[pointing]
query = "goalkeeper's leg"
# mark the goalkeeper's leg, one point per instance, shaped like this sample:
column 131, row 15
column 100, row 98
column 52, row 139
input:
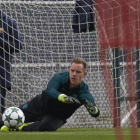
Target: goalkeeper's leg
column 42, row 120
column 47, row 123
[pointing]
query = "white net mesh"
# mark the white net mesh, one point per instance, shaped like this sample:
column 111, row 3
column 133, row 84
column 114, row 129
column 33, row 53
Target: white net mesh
column 49, row 45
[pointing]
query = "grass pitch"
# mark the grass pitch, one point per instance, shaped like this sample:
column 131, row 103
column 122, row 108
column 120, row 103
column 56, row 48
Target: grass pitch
column 67, row 134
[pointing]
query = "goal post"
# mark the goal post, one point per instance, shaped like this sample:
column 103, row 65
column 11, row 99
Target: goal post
column 49, row 45
column 119, row 28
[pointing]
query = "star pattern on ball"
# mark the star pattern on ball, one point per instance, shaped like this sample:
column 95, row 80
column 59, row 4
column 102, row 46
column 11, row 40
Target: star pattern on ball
column 19, row 119
column 14, row 109
column 8, row 117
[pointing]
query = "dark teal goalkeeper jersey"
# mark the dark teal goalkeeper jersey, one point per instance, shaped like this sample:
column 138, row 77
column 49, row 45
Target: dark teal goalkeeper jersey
column 59, row 84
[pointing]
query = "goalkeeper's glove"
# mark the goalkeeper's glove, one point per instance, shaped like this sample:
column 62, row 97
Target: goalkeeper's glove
column 93, row 110
column 68, row 99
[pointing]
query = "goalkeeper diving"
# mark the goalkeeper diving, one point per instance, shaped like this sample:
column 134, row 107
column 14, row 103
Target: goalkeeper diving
column 65, row 93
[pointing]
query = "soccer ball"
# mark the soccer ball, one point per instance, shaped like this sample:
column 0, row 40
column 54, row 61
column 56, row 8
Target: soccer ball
column 13, row 117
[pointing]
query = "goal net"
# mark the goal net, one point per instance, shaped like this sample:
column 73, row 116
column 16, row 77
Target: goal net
column 50, row 43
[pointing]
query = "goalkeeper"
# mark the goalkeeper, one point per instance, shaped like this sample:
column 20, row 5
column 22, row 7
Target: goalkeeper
column 65, row 93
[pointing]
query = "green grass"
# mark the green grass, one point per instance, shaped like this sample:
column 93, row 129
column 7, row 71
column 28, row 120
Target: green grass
column 67, row 134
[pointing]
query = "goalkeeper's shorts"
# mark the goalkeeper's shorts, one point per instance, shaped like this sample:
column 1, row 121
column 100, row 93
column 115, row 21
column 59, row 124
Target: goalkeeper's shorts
column 33, row 109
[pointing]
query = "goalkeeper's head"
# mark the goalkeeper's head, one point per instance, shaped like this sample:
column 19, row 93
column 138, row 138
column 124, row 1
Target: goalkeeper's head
column 77, row 71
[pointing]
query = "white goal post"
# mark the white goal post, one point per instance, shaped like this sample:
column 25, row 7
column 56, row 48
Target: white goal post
column 49, row 45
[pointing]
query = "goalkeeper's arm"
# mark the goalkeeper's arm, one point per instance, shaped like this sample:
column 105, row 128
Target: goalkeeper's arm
column 52, row 91
column 93, row 110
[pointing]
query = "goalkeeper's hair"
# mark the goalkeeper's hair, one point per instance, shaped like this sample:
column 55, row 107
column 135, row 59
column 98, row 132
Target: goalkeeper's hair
column 79, row 60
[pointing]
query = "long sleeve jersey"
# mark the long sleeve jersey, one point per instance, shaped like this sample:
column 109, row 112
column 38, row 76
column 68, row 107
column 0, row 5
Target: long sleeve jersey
column 59, row 84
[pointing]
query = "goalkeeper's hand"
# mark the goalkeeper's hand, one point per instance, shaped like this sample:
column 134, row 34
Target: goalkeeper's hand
column 93, row 110
column 68, row 99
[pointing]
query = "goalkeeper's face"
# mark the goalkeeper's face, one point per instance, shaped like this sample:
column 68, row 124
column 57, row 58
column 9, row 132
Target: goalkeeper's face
column 76, row 74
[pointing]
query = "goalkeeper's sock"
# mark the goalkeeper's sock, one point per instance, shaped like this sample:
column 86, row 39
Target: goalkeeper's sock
column 24, row 124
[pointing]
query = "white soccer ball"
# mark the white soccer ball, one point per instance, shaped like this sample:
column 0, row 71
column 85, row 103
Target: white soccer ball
column 13, row 117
